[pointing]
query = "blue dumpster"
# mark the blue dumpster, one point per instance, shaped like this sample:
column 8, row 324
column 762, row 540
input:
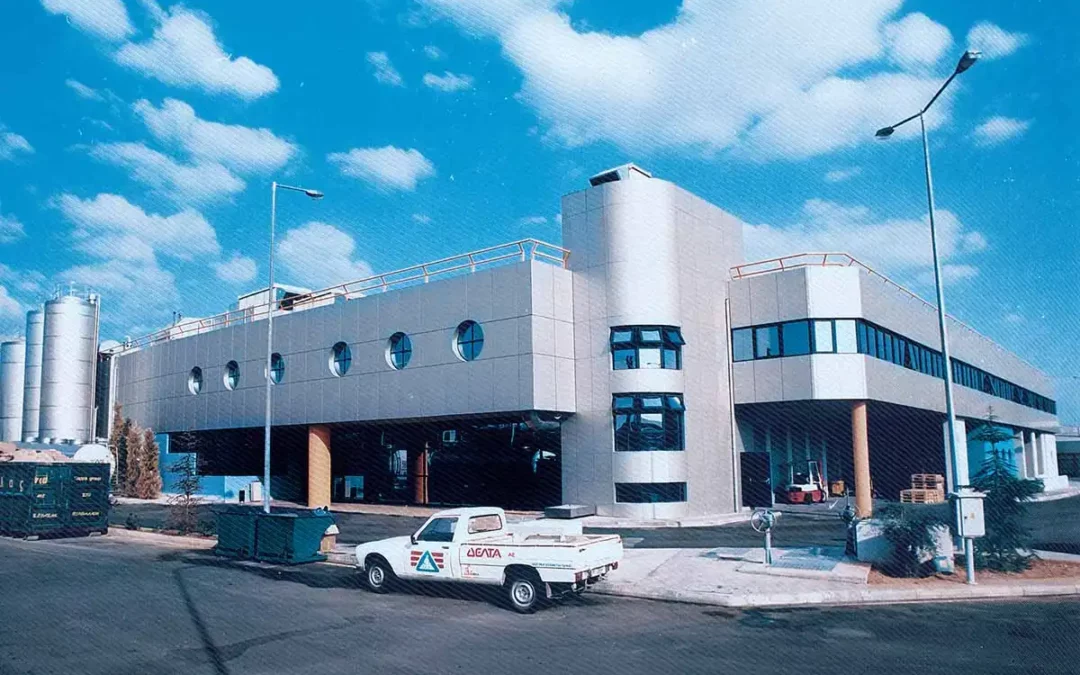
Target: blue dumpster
column 236, row 531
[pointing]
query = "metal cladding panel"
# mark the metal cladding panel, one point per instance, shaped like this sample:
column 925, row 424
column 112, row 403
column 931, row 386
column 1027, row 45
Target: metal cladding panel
column 35, row 338
column 67, row 369
column 12, row 372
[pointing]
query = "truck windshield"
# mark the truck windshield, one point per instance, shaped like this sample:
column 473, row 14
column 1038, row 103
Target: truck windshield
column 440, row 529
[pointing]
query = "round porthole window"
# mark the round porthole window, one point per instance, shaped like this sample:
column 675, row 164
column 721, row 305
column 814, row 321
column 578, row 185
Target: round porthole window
column 195, row 380
column 468, row 340
column 399, row 351
column 277, row 368
column 340, row 359
column 232, row 375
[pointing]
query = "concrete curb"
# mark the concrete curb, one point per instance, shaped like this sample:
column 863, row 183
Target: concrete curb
column 150, row 536
column 882, row 596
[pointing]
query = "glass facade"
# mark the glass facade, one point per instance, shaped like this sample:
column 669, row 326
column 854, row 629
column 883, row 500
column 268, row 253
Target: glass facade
column 648, row 422
column 649, row 493
column 634, row 347
column 851, row 336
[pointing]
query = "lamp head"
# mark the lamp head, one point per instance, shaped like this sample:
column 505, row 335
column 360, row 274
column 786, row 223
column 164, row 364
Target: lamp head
column 314, row 194
column 968, row 60
column 884, row 132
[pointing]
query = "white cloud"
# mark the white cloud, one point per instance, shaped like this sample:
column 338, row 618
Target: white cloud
column 182, row 183
column 109, row 226
column 999, row 129
column 841, row 175
column 448, row 81
column 83, row 91
column 238, row 269
column 26, row 281
column 433, row 52
column 10, row 229
column 994, row 42
column 949, row 274
column 235, row 146
column 533, row 220
column 385, row 73
column 107, row 19
column 388, row 168
column 917, row 40
column 715, row 76
column 9, row 306
column 133, row 291
column 421, row 218
column 12, row 143
column 320, row 255
column 1014, row 317
column 895, row 247
column 184, row 52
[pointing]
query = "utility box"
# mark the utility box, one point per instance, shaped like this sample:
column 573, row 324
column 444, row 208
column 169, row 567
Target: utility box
column 61, row 499
column 970, row 521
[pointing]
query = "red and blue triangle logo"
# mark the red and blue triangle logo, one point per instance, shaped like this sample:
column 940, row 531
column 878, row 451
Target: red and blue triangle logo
column 427, row 564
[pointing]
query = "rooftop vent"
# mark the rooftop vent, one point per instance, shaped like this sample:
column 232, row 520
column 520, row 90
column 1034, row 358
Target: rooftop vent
column 623, row 172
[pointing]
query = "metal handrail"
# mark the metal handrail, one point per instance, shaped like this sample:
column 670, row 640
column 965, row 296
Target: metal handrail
column 492, row 256
column 840, row 259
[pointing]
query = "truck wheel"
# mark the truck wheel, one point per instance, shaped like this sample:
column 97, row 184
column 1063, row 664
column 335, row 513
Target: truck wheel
column 378, row 576
column 523, row 591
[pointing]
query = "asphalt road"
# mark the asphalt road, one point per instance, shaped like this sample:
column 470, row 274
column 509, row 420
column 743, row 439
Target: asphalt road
column 1055, row 526
column 104, row 606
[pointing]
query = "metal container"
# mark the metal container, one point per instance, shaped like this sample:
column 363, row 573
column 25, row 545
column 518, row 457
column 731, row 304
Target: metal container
column 53, row 499
column 35, row 337
column 12, row 372
column 68, row 368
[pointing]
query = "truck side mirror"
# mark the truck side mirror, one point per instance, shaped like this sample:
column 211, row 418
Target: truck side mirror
column 412, row 539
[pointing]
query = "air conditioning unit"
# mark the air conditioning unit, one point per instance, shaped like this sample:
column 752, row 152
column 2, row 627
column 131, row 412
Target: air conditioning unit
column 449, row 437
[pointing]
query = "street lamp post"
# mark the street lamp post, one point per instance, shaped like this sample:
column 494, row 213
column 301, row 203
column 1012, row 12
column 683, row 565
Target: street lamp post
column 966, row 61
column 271, row 306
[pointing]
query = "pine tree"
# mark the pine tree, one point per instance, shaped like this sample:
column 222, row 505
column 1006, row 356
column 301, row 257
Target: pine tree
column 133, row 469
column 118, row 448
column 184, row 504
column 148, row 485
column 1007, row 542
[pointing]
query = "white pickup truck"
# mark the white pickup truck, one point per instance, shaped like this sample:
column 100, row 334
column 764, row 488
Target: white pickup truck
column 475, row 545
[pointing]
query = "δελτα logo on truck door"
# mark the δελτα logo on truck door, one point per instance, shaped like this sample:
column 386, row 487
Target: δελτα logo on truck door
column 483, row 552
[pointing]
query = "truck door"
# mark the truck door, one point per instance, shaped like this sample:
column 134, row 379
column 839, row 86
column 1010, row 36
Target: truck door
column 429, row 557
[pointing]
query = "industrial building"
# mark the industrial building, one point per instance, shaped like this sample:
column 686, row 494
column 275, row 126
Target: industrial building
column 643, row 367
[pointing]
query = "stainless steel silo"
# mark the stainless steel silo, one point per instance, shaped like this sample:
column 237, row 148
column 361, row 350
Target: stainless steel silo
column 68, row 364
column 35, row 338
column 12, row 372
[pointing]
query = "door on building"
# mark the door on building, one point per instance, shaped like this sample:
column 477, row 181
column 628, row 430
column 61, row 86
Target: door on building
column 757, row 491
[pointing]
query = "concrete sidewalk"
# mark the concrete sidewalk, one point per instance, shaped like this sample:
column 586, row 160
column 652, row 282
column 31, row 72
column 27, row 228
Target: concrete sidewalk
column 694, row 576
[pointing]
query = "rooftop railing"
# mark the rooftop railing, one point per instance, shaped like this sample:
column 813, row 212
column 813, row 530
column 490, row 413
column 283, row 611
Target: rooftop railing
column 466, row 263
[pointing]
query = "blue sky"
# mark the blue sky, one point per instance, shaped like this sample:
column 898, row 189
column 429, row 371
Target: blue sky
column 138, row 141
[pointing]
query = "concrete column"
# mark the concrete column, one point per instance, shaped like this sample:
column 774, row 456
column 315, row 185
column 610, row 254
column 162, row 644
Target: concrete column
column 1030, row 466
column 962, row 470
column 1040, row 456
column 860, row 445
column 319, row 480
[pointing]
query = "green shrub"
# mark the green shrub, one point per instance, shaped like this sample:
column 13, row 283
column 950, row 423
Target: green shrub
column 910, row 529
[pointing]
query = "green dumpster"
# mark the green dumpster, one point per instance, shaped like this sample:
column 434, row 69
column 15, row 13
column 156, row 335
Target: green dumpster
column 236, row 531
column 291, row 538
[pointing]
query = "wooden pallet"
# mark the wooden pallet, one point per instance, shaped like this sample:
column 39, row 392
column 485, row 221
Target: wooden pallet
column 927, row 481
column 921, row 496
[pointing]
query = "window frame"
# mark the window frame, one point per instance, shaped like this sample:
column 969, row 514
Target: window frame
column 630, row 435
column 439, row 540
column 340, row 361
column 474, row 344
column 277, row 368
column 232, row 368
column 628, row 342
column 195, row 380
column 399, row 358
